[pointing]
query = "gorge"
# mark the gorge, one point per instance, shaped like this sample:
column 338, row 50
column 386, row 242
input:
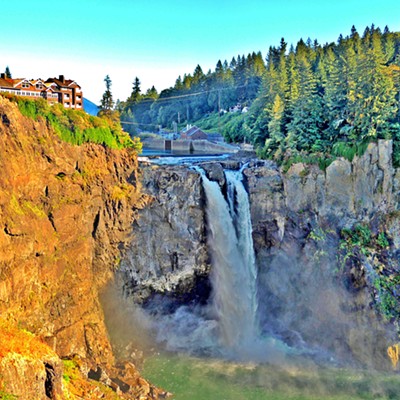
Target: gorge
column 102, row 257
column 317, row 294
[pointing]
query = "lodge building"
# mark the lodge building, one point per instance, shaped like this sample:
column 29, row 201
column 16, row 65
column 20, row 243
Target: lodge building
column 55, row 90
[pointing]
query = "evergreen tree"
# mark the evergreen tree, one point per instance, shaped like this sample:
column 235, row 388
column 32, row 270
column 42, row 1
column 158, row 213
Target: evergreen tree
column 135, row 95
column 151, row 93
column 303, row 128
column 198, row 76
column 307, row 99
column 178, row 83
column 376, row 95
column 7, row 73
column 219, row 69
column 275, row 127
column 107, row 102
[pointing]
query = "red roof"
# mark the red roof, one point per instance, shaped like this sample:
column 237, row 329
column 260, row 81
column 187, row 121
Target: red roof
column 62, row 83
column 6, row 82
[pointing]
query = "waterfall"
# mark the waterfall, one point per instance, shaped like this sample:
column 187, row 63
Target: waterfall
column 234, row 273
column 228, row 325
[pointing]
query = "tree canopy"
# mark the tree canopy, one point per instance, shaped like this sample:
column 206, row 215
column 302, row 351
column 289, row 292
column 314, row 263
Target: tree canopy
column 303, row 99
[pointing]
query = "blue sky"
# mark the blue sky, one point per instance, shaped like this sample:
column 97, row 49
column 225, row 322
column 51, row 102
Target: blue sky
column 158, row 40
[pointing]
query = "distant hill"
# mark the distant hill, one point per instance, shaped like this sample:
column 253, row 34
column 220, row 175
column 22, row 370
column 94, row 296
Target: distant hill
column 90, row 107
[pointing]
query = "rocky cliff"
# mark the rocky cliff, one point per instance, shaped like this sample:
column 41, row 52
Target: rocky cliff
column 326, row 245
column 168, row 253
column 65, row 215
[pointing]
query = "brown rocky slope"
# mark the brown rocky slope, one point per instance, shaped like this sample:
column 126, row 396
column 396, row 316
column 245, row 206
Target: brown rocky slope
column 65, row 215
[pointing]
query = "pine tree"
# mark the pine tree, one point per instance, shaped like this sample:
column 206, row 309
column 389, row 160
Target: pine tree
column 376, row 95
column 135, row 95
column 219, row 69
column 275, row 128
column 7, row 73
column 198, row 76
column 151, row 93
column 107, row 102
column 178, row 83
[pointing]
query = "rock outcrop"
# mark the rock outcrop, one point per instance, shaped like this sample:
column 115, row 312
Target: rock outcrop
column 307, row 286
column 168, row 252
column 65, row 215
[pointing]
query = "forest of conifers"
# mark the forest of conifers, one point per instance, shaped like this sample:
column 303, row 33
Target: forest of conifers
column 308, row 100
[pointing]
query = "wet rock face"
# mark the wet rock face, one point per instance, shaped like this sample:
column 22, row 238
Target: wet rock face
column 168, row 252
column 294, row 203
column 348, row 190
column 215, row 172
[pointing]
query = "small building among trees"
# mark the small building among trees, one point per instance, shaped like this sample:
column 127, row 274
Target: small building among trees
column 193, row 133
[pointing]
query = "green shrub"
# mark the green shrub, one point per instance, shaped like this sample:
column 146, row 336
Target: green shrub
column 349, row 150
column 7, row 396
column 387, row 288
column 77, row 127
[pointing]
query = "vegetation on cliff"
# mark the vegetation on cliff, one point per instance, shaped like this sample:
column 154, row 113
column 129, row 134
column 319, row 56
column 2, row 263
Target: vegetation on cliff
column 77, row 127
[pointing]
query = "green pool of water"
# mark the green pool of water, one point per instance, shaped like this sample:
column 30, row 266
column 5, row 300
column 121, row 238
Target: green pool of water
column 190, row 378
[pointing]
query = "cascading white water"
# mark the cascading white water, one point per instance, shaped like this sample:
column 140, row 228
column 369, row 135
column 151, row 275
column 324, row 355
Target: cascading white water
column 228, row 326
column 234, row 272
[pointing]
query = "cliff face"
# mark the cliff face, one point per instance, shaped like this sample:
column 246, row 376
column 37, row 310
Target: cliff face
column 324, row 242
column 65, row 214
column 320, row 261
column 168, row 252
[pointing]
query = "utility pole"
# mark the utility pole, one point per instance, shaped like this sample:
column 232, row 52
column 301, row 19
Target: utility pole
column 219, row 112
column 179, row 117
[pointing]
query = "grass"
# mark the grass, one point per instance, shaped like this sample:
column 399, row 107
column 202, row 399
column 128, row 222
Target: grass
column 20, row 341
column 121, row 191
column 230, row 125
column 349, row 150
column 199, row 379
column 25, row 207
column 7, row 396
column 76, row 386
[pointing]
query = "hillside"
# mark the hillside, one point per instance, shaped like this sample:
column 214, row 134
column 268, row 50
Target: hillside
column 305, row 102
column 65, row 213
